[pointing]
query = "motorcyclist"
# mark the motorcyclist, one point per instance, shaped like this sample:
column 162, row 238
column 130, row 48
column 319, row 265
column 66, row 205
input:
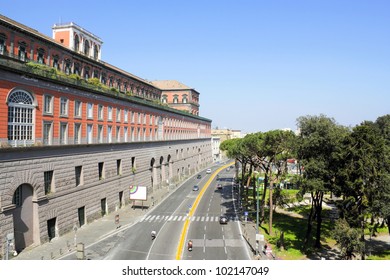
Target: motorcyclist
column 153, row 234
column 190, row 245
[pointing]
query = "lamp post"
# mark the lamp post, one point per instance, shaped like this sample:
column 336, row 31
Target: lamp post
column 257, row 215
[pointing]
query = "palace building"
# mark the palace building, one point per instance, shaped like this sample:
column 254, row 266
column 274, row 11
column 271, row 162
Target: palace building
column 76, row 133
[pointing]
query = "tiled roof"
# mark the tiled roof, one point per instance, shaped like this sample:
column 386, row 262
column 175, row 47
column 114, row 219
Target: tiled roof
column 169, row 84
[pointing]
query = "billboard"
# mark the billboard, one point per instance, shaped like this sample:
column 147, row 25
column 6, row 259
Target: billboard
column 138, row 193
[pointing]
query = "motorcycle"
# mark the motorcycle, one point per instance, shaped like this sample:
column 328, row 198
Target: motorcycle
column 189, row 245
column 153, row 234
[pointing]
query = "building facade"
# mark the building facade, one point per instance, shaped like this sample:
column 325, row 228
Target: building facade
column 179, row 96
column 76, row 133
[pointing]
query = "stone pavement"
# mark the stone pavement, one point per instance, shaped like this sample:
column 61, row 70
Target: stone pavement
column 91, row 233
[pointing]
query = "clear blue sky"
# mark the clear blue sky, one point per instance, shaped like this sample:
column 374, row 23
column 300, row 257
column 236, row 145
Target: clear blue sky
column 258, row 65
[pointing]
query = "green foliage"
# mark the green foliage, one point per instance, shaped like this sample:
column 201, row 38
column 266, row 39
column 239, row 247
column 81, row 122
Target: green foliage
column 94, row 81
column 75, row 77
column 348, row 239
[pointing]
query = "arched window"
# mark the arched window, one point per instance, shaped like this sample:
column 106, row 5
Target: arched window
column 22, row 52
column 175, row 98
column 3, row 46
column 164, row 99
column 86, row 47
column 76, row 43
column 184, row 98
column 95, row 52
column 41, row 56
column 20, row 118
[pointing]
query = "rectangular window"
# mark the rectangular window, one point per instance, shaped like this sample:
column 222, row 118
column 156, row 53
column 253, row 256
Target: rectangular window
column 118, row 167
column 118, row 134
column 89, row 133
column 79, row 175
column 109, row 134
column 90, row 111
column 118, row 114
column 64, row 106
column 139, row 134
column 48, row 181
column 125, row 115
column 101, row 112
column 47, row 133
column 77, row 133
column 81, row 215
column 100, row 133
column 77, row 109
column 144, row 133
column 101, row 170
column 125, row 137
column 144, row 118
column 48, row 104
column 63, row 133
column 132, row 117
column 103, row 206
column 133, row 164
column 51, row 228
column 132, row 134
column 109, row 113
column 17, row 197
column 139, row 118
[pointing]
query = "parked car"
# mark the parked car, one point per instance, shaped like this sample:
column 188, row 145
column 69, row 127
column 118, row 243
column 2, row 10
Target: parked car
column 219, row 186
column 208, row 171
column 199, row 176
column 223, row 219
column 195, row 188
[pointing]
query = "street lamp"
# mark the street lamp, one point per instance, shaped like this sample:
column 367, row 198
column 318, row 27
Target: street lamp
column 257, row 215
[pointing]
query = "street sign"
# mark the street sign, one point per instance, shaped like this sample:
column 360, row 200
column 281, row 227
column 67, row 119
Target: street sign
column 259, row 237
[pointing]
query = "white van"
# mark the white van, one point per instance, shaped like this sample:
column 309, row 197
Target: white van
column 208, row 171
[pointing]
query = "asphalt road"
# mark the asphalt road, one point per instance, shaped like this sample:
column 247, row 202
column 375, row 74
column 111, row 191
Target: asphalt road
column 211, row 240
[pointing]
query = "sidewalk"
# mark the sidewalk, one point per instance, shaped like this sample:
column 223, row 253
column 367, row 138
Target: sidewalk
column 91, row 233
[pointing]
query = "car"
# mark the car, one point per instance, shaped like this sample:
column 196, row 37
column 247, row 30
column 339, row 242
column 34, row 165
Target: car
column 195, row 188
column 208, row 171
column 219, row 186
column 199, row 176
column 223, row 219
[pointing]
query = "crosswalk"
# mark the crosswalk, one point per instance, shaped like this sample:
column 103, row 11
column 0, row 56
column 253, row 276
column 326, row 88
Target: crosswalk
column 182, row 218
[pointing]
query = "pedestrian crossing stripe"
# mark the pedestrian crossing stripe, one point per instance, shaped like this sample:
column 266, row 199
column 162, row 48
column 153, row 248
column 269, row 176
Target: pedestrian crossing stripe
column 178, row 218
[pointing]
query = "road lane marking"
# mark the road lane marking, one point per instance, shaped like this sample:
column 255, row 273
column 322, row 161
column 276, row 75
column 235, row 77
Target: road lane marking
column 183, row 235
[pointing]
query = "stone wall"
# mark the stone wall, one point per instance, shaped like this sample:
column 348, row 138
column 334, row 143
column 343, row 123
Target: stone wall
column 139, row 163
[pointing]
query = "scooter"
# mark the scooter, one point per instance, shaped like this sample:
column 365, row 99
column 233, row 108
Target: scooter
column 189, row 245
column 153, row 234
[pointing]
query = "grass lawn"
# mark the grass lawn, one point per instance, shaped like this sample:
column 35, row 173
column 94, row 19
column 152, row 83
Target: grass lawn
column 294, row 230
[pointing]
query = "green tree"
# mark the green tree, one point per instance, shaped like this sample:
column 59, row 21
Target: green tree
column 270, row 151
column 318, row 149
column 348, row 239
column 364, row 177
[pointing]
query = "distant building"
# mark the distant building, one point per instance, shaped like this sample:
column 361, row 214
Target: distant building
column 179, row 96
column 226, row 134
column 215, row 143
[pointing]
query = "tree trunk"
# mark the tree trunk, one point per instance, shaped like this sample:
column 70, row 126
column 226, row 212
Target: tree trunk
column 309, row 224
column 262, row 204
column 319, row 199
column 270, row 207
